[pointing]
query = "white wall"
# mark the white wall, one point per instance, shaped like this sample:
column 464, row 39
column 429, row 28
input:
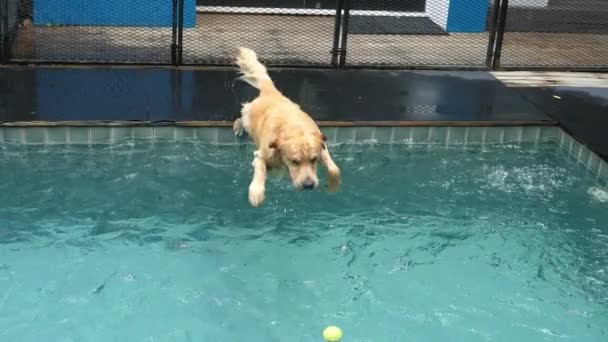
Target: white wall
column 437, row 10
column 528, row 3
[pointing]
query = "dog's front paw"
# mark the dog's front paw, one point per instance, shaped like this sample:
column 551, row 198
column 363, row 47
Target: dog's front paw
column 238, row 128
column 256, row 194
column 333, row 180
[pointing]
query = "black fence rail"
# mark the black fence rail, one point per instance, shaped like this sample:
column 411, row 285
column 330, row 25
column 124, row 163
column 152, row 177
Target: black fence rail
column 446, row 34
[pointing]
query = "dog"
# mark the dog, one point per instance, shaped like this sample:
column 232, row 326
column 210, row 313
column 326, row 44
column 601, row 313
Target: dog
column 284, row 135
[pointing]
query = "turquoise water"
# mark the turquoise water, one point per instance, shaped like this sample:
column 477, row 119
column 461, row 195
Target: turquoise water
column 156, row 242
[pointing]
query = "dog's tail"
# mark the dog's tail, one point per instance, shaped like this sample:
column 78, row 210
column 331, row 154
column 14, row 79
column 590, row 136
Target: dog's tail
column 252, row 71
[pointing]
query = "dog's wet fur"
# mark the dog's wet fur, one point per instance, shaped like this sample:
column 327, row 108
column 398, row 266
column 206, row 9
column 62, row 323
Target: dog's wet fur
column 285, row 136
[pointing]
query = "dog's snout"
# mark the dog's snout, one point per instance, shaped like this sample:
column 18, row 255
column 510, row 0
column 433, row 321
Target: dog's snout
column 308, row 184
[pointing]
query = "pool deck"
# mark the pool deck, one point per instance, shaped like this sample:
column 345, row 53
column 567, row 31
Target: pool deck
column 578, row 102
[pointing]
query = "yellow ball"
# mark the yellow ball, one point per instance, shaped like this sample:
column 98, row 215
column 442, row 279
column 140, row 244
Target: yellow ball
column 332, row 334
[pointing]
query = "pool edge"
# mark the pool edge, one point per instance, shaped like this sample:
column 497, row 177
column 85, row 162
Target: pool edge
column 434, row 133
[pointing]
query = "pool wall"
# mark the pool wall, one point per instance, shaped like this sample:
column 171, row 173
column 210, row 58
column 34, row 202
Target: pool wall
column 32, row 134
column 224, row 135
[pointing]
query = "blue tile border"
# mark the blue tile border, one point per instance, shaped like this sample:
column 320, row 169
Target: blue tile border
column 223, row 135
column 402, row 134
column 583, row 156
column 57, row 135
column 456, row 135
column 143, row 133
column 438, row 135
column 13, row 134
column 164, row 132
column 78, row 135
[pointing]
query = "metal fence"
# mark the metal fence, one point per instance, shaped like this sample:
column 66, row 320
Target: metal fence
column 459, row 34
column 554, row 34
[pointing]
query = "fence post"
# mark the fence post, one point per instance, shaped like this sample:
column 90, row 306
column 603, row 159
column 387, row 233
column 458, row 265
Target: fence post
column 174, row 32
column 344, row 39
column 502, row 21
column 180, row 32
column 4, row 34
column 335, row 51
column 493, row 28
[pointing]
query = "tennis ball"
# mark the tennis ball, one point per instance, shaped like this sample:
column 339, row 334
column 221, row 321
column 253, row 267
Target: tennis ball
column 332, row 334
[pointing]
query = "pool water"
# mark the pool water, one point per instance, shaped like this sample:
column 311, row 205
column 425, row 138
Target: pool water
column 156, row 242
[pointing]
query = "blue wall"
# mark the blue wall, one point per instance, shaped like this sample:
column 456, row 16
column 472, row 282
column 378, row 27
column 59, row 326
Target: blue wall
column 148, row 13
column 467, row 16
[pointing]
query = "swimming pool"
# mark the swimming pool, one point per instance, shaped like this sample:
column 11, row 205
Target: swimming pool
column 493, row 237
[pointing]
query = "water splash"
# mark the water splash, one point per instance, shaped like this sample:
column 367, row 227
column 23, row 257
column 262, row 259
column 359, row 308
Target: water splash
column 598, row 194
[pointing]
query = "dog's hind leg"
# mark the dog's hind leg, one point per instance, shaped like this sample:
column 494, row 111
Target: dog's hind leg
column 241, row 124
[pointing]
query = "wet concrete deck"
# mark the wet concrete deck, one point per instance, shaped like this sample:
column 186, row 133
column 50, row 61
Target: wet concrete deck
column 348, row 96
column 154, row 94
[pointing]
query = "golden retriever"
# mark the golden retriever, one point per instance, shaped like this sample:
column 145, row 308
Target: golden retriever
column 285, row 136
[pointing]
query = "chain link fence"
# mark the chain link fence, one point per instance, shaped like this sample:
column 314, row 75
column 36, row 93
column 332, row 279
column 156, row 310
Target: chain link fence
column 459, row 34
column 555, row 33
column 418, row 33
column 284, row 33
column 81, row 31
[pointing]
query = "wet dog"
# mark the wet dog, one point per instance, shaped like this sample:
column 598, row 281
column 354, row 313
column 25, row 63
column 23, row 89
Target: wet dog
column 285, row 136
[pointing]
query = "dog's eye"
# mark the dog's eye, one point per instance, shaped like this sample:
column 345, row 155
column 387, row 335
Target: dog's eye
column 314, row 160
column 295, row 162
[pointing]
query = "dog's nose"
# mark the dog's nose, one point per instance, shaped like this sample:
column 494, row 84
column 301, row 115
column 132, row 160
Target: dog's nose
column 308, row 184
